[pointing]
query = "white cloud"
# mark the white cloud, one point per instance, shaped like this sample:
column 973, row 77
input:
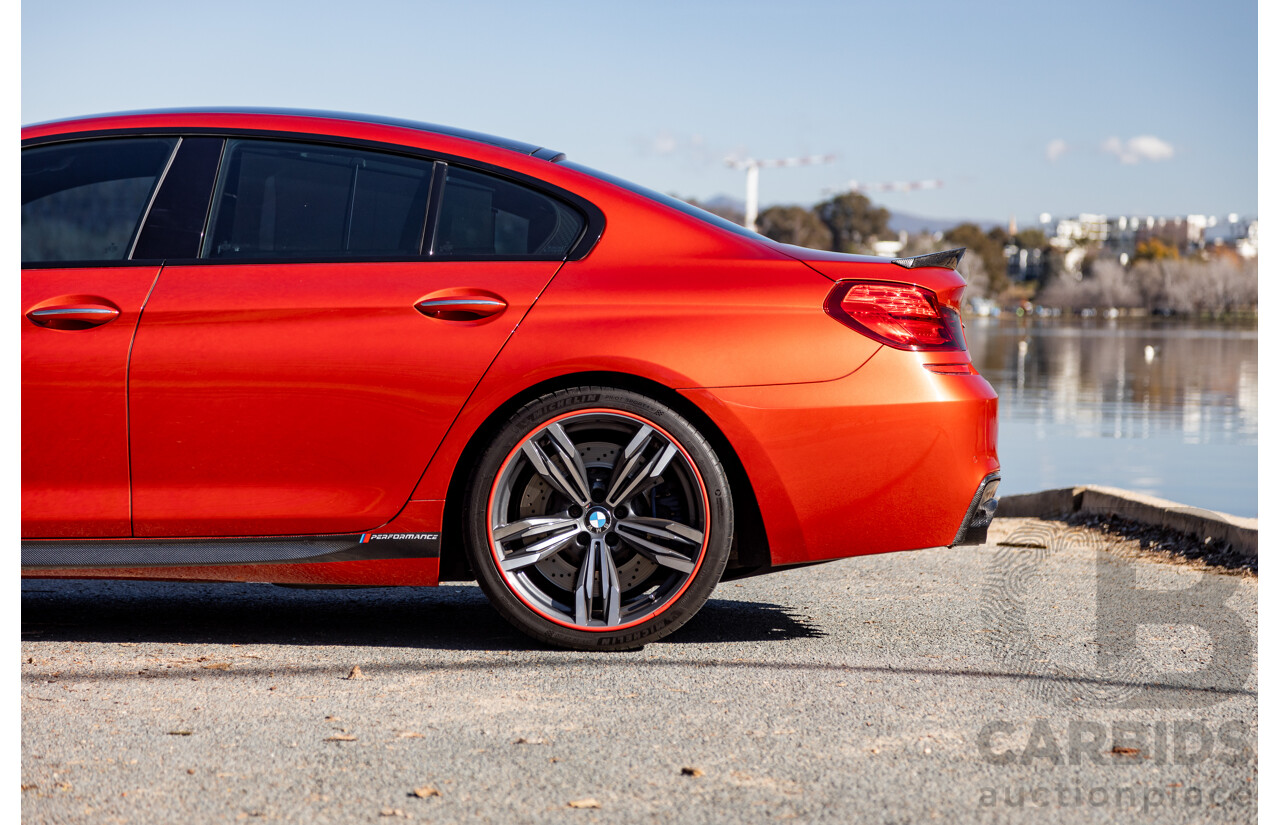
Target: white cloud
column 664, row 144
column 1150, row 147
column 1056, row 149
column 1136, row 149
column 669, row 144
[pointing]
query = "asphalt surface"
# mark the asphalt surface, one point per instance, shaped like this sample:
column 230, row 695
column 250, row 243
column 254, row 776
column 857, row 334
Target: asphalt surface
column 964, row 685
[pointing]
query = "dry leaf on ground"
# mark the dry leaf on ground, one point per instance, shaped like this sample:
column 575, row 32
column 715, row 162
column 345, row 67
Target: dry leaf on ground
column 340, row 737
column 585, row 803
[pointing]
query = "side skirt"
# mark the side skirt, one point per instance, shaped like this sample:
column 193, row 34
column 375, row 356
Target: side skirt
column 217, row 552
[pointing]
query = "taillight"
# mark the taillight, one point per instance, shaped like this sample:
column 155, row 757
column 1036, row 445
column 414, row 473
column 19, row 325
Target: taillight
column 904, row 316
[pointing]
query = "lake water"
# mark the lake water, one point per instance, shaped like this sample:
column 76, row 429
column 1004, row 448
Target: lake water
column 1159, row 406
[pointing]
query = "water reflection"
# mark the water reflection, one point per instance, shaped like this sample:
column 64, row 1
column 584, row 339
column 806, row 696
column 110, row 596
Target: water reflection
column 1155, row 405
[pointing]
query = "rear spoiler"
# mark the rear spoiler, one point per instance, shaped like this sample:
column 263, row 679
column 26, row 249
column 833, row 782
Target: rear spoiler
column 948, row 260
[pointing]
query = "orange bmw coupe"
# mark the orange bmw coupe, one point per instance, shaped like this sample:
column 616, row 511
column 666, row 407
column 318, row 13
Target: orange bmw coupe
column 325, row 349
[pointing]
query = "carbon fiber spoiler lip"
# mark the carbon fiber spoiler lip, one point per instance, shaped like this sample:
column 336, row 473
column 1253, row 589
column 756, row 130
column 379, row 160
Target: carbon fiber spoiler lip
column 949, row 259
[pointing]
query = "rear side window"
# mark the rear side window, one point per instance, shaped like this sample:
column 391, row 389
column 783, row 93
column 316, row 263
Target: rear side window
column 483, row 216
column 292, row 200
column 83, row 201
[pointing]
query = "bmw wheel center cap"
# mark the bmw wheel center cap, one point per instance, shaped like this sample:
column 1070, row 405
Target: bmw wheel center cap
column 598, row 519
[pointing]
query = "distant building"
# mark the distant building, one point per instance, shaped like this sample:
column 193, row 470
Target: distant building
column 1122, row 233
column 891, row 248
column 1120, row 236
column 1085, row 228
column 887, row 249
column 1024, row 264
column 1183, row 234
column 1247, row 247
column 1196, row 225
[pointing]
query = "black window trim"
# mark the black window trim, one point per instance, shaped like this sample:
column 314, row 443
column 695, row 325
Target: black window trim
column 593, row 226
column 439, row 173
column 518, row 146
column 155, row 190
column 207, row 185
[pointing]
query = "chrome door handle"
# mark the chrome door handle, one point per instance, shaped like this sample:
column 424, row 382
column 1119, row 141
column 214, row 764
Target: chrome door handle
column 73, row 317
column 461, row 308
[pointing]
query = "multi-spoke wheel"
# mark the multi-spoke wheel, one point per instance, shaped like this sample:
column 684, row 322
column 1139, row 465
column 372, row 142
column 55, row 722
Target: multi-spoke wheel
column 599, row 518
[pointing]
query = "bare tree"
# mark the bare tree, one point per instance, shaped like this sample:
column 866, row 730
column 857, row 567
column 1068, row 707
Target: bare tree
column 975, row 274
column 1174, row 285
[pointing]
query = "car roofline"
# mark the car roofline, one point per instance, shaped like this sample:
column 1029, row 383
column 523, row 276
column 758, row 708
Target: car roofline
column 324, row 114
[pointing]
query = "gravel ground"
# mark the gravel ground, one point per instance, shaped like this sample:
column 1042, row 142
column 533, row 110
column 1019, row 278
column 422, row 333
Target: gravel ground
column 964, row 685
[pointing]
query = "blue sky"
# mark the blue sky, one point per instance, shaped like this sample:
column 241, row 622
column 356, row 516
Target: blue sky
column 1019, row 108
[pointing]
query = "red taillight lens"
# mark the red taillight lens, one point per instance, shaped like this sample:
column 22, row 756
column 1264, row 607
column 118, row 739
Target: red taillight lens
column 904, row 316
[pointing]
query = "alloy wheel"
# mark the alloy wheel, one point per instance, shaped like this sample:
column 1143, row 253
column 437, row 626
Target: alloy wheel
column 597, row 520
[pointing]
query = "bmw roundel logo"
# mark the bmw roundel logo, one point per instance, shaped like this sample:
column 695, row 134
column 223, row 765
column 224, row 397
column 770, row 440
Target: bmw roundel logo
column 598, row 519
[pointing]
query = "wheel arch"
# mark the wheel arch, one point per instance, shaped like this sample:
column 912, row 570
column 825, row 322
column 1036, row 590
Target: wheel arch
column 750, row 549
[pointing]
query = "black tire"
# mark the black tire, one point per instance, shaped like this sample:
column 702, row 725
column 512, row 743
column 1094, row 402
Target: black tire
column 612, row 544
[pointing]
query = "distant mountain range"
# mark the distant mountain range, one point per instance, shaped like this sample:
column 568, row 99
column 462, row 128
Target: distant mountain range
column 906, row 222
column 723, row 203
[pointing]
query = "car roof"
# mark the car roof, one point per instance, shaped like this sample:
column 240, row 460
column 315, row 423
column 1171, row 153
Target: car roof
column 421, row 126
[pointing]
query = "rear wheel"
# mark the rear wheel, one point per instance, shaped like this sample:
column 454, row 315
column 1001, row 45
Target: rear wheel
column 598, row 518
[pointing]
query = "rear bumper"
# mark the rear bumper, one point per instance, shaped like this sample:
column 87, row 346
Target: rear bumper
column 885, row 459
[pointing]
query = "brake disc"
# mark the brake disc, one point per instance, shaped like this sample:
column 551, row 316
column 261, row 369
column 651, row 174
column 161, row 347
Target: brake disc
column 562, row 569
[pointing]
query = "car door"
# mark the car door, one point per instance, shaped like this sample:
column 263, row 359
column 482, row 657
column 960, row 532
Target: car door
column 82, row 294
column 298, row 377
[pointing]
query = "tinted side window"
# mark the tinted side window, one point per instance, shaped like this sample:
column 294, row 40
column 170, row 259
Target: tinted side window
column 292, row 200
column 488, row 217
column 83, row 201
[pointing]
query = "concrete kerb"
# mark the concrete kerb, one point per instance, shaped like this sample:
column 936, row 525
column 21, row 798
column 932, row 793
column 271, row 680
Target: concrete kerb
column 1240, row 533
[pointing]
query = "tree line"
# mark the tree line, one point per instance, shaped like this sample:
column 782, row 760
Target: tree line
column 1157, row 278
column 851, row 223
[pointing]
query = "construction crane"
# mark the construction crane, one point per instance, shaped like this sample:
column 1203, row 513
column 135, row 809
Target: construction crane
column 753, row 168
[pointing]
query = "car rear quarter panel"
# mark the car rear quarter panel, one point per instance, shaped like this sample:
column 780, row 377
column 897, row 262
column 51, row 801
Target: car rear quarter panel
column 885, row 459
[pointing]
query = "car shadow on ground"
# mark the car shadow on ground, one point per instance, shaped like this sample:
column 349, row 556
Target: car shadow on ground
column 446, row 618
